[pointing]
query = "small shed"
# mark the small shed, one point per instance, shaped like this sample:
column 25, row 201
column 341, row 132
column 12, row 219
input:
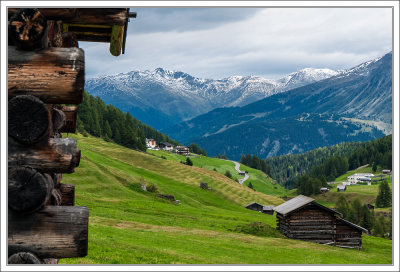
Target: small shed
column 324, row 190
column 302, row 218
column 370, row 206
column 268, row 209
column 386, row 172
column 255, row 207
column 348, row 235
column 341, row 188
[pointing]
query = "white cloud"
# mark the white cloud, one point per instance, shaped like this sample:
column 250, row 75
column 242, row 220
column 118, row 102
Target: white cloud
column 267, row 42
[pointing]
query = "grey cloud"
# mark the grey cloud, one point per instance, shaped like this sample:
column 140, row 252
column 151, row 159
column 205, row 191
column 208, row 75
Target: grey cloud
column 185, row 19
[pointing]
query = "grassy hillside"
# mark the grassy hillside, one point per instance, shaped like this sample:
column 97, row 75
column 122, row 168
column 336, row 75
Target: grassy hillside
column 257, row 178
column 131, row 226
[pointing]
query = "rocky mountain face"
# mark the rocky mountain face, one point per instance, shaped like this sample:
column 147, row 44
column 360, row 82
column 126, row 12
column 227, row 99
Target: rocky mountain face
column 161, row 98
column 353, row 105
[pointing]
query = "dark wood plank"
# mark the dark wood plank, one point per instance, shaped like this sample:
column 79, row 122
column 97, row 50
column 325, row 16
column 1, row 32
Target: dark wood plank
column 56, row 155
column 54, row 75
column 53, row 232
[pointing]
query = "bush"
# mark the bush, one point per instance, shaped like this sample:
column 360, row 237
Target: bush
column 162, row 157
column 152, row 188
column 189, row 162
column 215, row 169
column 228, row 174
column 259, row 229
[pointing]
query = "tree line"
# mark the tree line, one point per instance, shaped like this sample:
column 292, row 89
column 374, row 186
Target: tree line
column 286, row 168
column 377, row 152
column 255, row 162
column 111, row 124
column 361, row 215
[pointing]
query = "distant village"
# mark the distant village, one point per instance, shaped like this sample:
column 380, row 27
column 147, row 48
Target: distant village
column 180, row 149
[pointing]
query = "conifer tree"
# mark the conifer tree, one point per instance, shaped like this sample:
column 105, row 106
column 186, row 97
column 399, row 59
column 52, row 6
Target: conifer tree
column 384, row 198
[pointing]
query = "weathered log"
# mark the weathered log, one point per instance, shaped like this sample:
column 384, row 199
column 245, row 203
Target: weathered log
column 51, row 13
column 54, row 33
column 28, row 190
column 24, row 258
column 69, row 39
column 55, row 75
column 56, row 155
column 100, row 16
column 59, row 119
column 71, row 115
column 117, row 35
column 67, row 194
column 53, row 232
column 28, row 119
column 28, row 29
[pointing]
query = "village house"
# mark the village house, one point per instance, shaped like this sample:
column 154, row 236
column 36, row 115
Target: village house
column 363, row 177
column 341, row 188
column 304, row 219
column 151, row 143
column 166, row 146
column 182, row 150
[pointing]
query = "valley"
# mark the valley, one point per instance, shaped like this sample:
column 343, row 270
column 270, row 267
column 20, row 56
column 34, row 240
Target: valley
column 132, row 226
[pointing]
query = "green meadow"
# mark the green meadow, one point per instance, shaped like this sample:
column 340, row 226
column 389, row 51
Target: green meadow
column 259, row 180
column 130, row 226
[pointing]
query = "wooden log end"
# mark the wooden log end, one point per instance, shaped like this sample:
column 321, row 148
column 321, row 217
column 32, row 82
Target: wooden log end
column 28, row 28
column 28, row 190
column 28, row 119
column 24, row 258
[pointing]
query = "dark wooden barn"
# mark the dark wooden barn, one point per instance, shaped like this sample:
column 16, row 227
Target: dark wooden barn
column 255, row 207
column 304, row 219
column 268, row 209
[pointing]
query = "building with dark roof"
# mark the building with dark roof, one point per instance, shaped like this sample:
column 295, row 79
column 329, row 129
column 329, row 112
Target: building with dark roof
column 304, row 219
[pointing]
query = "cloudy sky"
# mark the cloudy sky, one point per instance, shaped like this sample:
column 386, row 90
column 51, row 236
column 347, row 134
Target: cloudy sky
column 269, row 42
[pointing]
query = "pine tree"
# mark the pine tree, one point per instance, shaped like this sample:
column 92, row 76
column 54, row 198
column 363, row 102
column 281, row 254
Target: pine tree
column 367, row 219
column 343, row 207
column 384, row 198
column 189, row 162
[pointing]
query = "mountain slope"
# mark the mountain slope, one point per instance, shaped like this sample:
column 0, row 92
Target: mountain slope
column 162, row 97
column 131, row 226
column 300, row 119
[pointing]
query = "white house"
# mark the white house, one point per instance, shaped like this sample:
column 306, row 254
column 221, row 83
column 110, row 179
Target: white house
column 166, row 146
column 354, row 179
column 150, row 143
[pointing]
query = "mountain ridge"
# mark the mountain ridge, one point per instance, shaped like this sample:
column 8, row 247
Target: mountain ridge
column 163, row 97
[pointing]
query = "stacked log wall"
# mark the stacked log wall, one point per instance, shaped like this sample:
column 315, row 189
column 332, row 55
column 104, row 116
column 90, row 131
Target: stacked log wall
column 347, row 236
column 310, row 224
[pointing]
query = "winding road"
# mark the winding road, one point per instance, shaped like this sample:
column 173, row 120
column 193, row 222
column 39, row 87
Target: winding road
column 237, row 166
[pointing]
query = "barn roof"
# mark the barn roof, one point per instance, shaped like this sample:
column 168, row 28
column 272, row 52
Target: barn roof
column 298, row 202
column 353, row 225
column 293, row 204
column 268, row 208
column 252, row 203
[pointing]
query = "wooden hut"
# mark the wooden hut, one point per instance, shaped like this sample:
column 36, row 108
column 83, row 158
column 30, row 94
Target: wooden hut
column 304, row 219
column 255, row 206
column 268, row 209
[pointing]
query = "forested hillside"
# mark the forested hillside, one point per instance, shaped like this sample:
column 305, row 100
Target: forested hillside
column 377, row 152
column 286, row 168
column 111, row 124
